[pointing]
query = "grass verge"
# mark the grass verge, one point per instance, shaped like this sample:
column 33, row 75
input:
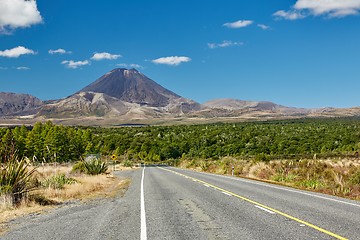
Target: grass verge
column 80, row 187
column 338, row 177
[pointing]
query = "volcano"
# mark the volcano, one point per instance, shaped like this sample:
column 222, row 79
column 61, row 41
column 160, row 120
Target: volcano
column 121, row 92
column 133, row 87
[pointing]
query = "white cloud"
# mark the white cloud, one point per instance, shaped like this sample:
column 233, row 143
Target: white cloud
column 333, row 8
column 173, row 60
column 263, row 26
column 224, row 44
column 105, row 55
column 289, row 15
column 16, row 52
column 329, row 8
column 238, row 24
column 72, row 64
column 132, row 65
column 23, row 68
column 59, row 51
column 17, row 14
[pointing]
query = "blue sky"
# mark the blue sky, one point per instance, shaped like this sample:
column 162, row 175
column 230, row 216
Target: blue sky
column 300, row 53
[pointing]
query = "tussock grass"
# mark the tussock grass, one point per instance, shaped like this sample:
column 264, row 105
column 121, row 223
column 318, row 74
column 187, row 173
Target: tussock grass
column 73, row 187
column 340, row 177
column 58, row 181
column 85, row 187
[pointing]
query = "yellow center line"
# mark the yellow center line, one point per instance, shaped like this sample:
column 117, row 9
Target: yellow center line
column 261, row 205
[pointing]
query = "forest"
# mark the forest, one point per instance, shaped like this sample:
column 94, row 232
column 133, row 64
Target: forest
column 262, row 141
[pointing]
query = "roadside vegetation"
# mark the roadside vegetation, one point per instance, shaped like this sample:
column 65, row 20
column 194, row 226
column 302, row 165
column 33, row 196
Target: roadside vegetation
column 340, row 177
column 261, row 141
column 27, row 187
column 315, row 154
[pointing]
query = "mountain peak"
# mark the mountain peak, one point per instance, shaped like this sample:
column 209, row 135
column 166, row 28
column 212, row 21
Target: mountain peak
column 130, row 85
column 123, row 71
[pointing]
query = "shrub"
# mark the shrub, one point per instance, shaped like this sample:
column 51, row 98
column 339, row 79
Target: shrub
column 16, row 180
column 128, row 163
column 57, row 181
column 355, row 178
column 78, row 167
column 311, row 184
column 289, row 178
column 95, row 167
column 92, row 167
column 205, row 165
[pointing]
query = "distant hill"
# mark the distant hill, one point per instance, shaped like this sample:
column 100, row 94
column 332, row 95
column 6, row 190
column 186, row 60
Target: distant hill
column 128, row 96
column 13, row 104
column 235, row 104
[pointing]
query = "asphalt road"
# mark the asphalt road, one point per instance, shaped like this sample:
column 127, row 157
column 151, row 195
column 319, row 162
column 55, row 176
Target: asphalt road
column 170, row 203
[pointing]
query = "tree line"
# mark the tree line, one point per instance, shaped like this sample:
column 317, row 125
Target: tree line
column 304, row 138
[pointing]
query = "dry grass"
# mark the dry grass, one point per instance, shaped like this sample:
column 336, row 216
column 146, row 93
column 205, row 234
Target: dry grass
column 340, row 177
column 45, row 171
column 87, row 187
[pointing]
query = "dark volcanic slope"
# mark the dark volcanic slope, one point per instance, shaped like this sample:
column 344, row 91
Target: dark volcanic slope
column 131, row 86
column 18, row 104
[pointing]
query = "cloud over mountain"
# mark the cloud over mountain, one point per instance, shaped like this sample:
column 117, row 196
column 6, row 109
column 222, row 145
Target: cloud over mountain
column 75, row 64
column 105, row 55
column 131, row 65
column 173, row 60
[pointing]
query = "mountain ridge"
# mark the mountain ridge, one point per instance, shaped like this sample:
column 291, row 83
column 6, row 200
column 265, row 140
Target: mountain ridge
column 128, row 94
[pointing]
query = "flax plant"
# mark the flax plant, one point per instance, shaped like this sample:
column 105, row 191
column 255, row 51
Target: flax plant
column 16, row 180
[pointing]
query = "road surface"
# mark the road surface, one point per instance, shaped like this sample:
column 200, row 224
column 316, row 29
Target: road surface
column 171, row 203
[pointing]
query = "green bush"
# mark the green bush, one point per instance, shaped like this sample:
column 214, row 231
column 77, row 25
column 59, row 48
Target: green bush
column 16, row 179
column 78, row 167
column 311, row 184
column 95, row 167
column 355, row 178
column 57, row 181
column 128, row 163
column 284, row 178
column 205, row 165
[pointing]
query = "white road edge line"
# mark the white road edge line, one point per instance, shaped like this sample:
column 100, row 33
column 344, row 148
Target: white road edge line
column 143, row 235
column 227, row 194
column 283, row 189
column 264, row 209
column 206, row 185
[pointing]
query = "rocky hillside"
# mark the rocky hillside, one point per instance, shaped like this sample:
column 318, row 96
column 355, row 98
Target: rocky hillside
column 14, row 104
